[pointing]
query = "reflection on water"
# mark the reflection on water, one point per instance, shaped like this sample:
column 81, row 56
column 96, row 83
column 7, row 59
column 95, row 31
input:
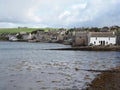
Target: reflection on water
column 25, row 66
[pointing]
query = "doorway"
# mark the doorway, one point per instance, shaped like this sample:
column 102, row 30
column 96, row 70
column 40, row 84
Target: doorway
column 102, row 43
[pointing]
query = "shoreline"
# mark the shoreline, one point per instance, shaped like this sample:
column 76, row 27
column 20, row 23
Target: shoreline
column 91, row 48
column 66, row 71
column 80, row 48
column 106, row 81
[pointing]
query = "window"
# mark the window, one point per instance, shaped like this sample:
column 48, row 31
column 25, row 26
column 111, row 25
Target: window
column 107, row 43
column 96, row 38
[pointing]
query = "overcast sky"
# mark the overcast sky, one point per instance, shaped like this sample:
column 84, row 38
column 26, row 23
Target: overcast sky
column 59, row 13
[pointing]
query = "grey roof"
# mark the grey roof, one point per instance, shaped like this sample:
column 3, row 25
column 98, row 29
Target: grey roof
column 81, row 33
column 102, row 34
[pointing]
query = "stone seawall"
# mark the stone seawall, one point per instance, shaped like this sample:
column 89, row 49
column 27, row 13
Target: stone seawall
column 92, row 48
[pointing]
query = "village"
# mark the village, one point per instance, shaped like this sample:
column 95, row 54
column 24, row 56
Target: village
column 76, row 36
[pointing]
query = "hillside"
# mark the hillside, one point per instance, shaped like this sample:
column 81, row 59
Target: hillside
column 15, row 30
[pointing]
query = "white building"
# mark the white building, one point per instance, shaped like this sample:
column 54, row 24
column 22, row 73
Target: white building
column 27, row 36
column 101, row 38
column 12, row 38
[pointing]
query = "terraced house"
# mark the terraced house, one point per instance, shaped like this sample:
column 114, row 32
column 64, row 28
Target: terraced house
column 101, row 38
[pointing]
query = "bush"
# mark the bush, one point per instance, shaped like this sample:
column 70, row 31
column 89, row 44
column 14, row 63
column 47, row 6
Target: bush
column 4, row 38
column 91, row 44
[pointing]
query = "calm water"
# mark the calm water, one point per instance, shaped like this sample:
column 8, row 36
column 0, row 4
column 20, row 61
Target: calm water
column 25, row 66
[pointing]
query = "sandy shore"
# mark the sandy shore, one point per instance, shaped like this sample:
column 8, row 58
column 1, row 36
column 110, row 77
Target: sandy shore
column 106, row 81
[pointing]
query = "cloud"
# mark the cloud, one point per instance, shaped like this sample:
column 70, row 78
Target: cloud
column 62, row 13
column 32, row 16
column 94, row 13
column 79, row 6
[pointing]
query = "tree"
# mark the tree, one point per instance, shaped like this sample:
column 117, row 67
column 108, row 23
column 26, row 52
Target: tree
column 19, row 36
column 104, row 29
column 95, row 29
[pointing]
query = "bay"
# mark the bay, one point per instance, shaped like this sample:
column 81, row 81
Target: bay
column 26, row 66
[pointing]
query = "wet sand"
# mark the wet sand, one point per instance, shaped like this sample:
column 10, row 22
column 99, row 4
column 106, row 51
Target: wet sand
column 106, row 81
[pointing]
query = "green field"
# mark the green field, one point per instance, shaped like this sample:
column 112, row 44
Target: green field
column 15, row 30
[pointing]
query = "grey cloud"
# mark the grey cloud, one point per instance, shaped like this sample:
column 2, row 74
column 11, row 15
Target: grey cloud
column 62, row 13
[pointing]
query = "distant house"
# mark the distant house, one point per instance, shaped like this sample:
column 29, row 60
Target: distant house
column 43, row 36
column 118, row 37
column 53, row 35
column 80, row 38
column 61, row 35
column 26, row 36
column 101, row 38
column 13, row 37
column 38, row 35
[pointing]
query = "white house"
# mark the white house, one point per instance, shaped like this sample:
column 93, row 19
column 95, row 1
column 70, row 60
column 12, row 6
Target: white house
column 101, row 38
column 13, row 38
column 26, row 36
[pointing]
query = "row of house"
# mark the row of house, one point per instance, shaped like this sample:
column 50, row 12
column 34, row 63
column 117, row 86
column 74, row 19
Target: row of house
column 94, row 38
column 75, row 37
column 38, row 35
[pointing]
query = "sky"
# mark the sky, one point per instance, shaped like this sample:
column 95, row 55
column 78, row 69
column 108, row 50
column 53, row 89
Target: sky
column 59, row 13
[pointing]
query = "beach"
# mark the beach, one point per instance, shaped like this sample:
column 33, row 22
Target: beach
column 109, row 80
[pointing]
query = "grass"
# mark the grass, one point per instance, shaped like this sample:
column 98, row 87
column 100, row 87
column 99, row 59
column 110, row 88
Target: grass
column 16, row 30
